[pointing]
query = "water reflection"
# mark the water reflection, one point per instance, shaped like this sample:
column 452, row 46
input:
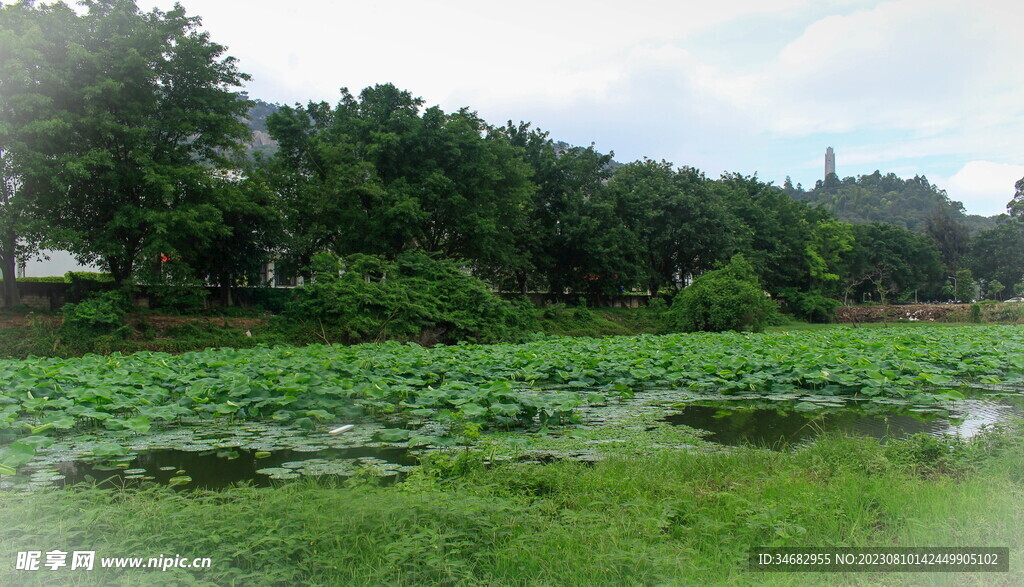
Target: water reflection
column 734, row 423
column 214, row 469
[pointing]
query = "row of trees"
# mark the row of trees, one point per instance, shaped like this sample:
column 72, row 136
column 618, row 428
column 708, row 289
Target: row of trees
column 987, row 247
column 121, row 136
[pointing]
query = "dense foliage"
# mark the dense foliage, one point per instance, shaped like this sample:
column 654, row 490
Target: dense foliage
column 504, row 385
column 115, row 149
column 413, row 297
column 730, row 298
column 142, row 182
column 909, row 203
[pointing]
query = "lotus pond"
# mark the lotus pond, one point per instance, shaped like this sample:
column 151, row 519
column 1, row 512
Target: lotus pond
column 262, row 414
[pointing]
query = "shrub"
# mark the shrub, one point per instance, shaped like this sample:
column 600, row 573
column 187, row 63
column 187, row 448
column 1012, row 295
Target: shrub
column 414, row 297
column 729, row 298
column 810, row 305
column 49, row 279
column 85, row 285
column 178, row 290
column 100, row 315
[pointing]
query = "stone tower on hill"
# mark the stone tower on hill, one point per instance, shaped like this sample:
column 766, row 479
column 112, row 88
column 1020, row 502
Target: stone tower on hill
column 830, row 162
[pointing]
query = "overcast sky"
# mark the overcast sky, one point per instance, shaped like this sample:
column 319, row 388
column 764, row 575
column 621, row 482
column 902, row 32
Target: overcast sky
column 932, row 87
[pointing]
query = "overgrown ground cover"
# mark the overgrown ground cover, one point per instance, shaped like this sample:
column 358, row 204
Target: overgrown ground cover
column 669, row 517
column 24, row 334
column 504, row 386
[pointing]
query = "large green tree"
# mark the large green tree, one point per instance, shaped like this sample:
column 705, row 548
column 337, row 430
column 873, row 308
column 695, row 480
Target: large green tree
column 32, row 127
column 998, row 254
column 680, row 229
column 144, row 111
column 770, row 229
column 887, row 261
column 950, row 235
column 376, row 175
column 575, row 236
column 589, row 246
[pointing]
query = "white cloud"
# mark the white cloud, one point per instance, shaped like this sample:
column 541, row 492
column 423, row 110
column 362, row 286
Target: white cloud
column 918, row 65
column 739, row 85
column 983, row 186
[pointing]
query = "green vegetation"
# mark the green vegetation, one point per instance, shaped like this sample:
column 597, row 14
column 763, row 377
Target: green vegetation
column 414, row 297
column 121, row 137
column 908, row 203
column 381, row 176
column 730, row 298
column 97, row 316
column 500, row 386
column 669, row 517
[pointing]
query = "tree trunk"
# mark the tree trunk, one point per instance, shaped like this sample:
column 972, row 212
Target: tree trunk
column 9, row 267
column 225, row 291
column 120, row 270
column 521, row 278
column 653, row 285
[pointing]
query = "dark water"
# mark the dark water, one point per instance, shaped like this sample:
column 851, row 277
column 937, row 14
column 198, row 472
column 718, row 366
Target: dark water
column 212, row 470
column 736, row 424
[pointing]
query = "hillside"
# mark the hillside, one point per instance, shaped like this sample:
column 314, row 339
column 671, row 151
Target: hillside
column 887, row 198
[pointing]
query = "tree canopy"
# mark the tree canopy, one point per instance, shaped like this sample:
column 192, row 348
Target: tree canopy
column 120, row 154
column 121, row 134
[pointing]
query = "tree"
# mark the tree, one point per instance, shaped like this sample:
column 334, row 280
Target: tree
column 31, row 127
column 144, row 112
column 998, row 253
column 887, row 260
column 1016, row 206
column 950, row 235
column 676, row 220
column 886, row 198
column 248, row 237
column 373, row 175
column 589, row 246
column 770, row 229
column 964, row 287
column 11, row 223
column 994, row 288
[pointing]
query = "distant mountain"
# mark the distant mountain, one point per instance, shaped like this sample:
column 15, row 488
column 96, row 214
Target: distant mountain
column 257, row 122
column 886, row 198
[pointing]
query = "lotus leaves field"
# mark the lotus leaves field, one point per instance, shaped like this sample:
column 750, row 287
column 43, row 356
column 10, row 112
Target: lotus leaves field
column 530, row 385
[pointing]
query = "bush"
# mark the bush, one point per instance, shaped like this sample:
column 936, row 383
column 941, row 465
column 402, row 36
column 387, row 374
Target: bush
column 177, row 290
column 729, row 298
column 100, row 315
column 414, row 297
column 810, row 305
column 49, row 279
column 85, row 285
column 975, row 313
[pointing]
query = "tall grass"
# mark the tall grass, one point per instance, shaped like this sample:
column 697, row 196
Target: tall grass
column 668, row 518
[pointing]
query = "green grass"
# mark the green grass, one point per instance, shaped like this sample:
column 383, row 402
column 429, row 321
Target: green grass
column 45, row 341
column 560, row 320
column 666, row 518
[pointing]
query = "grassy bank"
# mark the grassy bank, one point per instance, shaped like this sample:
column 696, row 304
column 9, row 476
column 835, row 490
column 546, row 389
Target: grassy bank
column 666, row 518
column 24, row 334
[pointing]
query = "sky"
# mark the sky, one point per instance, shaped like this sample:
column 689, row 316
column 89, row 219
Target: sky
column 913, row 87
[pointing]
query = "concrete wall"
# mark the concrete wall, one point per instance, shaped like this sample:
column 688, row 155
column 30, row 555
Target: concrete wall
column 43, row 296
